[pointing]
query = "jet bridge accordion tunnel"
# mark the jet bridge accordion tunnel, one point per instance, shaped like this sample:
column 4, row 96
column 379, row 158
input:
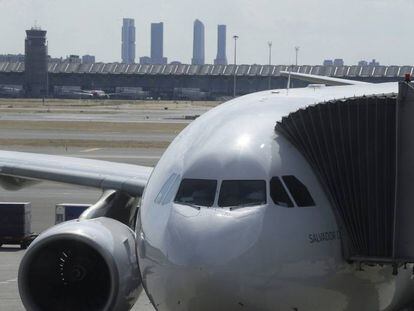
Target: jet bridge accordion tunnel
column 362, row 150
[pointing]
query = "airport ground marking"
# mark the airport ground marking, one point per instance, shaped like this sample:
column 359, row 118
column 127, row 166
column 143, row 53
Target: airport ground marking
column 91, row 150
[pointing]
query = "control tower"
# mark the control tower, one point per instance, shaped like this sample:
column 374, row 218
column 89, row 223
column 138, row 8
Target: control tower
column 36, row 63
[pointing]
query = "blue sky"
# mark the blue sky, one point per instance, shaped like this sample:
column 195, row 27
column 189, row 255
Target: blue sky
column 349, row 29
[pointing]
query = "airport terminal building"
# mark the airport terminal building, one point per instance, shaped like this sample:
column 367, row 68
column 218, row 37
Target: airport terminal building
column 179, row 81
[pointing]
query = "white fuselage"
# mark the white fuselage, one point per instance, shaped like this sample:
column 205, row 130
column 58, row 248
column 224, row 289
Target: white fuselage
column 265, row 257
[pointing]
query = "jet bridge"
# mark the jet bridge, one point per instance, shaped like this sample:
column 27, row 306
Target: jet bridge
column 362, row 150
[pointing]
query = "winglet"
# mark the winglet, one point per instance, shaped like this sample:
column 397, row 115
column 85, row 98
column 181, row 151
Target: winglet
column 321, row 79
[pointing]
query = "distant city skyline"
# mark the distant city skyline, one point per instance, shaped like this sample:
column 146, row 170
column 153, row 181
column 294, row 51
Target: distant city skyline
column 93, row 27
column 157, row 46
column 90, row 59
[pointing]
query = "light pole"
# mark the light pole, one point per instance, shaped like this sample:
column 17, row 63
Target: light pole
column 297, row 53
column 270, row 63
column 235, row 37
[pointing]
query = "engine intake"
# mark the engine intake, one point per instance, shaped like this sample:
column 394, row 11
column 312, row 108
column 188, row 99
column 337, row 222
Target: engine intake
column 81, row 265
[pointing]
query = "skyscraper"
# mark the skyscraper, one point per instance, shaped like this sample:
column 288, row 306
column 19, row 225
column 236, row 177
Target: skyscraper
column 128, row 41
column 198, row 44
column 157, row 44
column 221, row 58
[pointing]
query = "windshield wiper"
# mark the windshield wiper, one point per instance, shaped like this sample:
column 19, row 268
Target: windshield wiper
column 246, row 205
column 190, row 204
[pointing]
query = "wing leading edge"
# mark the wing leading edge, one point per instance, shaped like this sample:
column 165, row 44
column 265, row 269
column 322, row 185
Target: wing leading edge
column 23, row 167
column 321, row 79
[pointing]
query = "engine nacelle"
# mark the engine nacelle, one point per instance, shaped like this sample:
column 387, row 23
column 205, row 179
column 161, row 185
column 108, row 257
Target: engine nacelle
column 14, row 183
column 81, row 265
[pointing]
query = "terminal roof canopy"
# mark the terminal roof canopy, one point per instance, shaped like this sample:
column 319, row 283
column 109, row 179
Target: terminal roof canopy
column 59, row 67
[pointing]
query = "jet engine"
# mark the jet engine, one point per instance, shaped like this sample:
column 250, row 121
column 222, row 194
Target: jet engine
column 81, row 265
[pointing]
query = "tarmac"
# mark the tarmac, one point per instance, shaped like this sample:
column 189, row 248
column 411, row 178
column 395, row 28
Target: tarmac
column 106, row 136
column 44, row 196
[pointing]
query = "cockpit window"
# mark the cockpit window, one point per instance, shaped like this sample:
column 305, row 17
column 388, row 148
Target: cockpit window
column 279, row 194
column 234, row 193
column 299, row 191
column 199, row 192
column 167, row 191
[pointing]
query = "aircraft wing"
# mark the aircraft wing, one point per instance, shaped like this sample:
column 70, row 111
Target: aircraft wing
column 321, row 79
column 18, row 169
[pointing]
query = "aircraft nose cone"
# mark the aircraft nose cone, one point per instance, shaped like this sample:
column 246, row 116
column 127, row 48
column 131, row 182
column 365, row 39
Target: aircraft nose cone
column 206, row 253
column 202, row 254
column 212, row 238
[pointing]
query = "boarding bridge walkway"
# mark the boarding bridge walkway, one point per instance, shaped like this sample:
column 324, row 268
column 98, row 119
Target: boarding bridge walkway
column 362, row 150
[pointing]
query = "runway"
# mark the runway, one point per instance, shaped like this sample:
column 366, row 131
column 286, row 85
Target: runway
column 148, row 116
column 44, row 196
column 102, row 110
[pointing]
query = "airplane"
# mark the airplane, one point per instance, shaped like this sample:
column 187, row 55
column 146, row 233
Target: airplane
column 96, row 94
column 99, row 94
column 238, row 214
